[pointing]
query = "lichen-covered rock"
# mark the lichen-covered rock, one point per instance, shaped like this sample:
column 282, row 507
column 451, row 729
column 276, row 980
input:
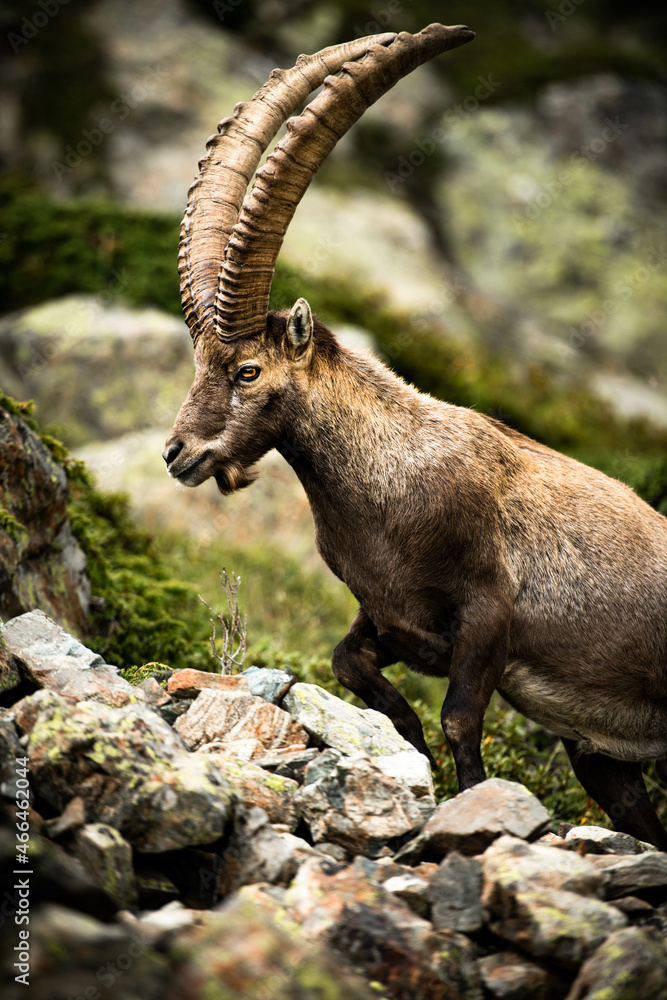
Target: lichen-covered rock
column 10, row 677
column 355, row 730
column 41, row 564
column 455, row 893
column 350, row 802
column 256, row 787
column 9, row 751
column 470, row 821
column 54, row 659
column 268, row 683
column 630, row 965
column 130, row 768
column 107, row 857
column 510, row 864
column 346, row 907
column 562, row 927
column 243, row 951
column 240, row 722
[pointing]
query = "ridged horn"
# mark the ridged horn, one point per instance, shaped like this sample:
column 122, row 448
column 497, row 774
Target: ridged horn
column 249, row 263
column 216, row 196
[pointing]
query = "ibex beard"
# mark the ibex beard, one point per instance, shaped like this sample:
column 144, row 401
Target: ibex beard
column 474, row 552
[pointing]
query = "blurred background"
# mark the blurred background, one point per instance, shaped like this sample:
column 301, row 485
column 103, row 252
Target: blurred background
column 494, row 228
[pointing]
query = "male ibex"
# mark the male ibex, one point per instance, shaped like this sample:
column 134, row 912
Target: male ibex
column 474, row 552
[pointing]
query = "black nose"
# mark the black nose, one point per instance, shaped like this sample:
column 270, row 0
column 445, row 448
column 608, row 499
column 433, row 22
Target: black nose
column 172, row 451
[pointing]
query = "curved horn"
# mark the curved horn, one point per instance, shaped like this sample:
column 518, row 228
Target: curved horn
column 215, row 198
column 249, row 263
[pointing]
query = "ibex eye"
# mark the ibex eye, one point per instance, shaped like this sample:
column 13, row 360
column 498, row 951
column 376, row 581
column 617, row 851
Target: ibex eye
column 248, row 373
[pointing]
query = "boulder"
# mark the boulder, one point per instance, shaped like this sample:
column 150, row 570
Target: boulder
column 10, row 678
column 643, row 873
column 561, row 927
column 337, row 724
column 510, row 864
column 53, row 659
column 256, row 787
column 470, row 821
column 268, row 683
column 255, row 852
column 107, row 857
column 350, row 802
column 236, row 720
column 455, row 894
column 101, row 369
column 508, row 976
column 631, row 963
column 545, row 902
column 130, row 768
column 188, row 683
column 41, row 564
column 598, row 840
column 411, row 890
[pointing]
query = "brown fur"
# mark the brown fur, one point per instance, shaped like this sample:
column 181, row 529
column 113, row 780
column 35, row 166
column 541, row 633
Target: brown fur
column 474, row 552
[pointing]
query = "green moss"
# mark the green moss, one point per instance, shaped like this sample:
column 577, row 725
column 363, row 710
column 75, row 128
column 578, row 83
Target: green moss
column 13, row 527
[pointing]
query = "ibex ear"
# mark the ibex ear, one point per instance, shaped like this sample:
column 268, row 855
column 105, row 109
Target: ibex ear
column 300, row 327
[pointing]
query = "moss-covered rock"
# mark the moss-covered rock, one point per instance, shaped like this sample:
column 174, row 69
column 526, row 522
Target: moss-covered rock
column 132, row 771
column 41, row 564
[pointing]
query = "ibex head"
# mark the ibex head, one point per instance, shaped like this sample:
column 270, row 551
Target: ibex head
column 250, row 362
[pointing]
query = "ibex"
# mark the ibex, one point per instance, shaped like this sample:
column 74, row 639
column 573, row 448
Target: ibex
column 474, row 552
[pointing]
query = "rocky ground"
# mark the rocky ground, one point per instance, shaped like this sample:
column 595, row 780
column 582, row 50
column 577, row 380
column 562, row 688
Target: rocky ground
column 203, row 836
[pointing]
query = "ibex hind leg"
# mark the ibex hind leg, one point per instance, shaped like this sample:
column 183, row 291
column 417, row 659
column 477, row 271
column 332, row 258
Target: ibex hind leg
column 357, row 663
column 618, row 787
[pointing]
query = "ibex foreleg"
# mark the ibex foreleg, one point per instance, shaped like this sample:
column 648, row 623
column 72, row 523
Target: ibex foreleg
column 357, row 663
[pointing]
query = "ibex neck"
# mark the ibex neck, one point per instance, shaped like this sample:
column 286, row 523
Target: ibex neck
column 358, row 431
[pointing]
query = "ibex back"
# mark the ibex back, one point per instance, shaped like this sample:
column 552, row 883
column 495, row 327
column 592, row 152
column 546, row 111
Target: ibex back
column 475, row 553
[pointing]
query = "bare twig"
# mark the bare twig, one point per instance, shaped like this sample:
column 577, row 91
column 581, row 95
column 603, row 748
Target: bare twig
column 234, row 628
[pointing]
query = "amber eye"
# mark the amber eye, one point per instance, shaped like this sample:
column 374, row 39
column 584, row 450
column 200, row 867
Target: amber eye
column 248, row 373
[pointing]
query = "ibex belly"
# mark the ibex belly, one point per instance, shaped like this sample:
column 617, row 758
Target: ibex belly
column 600, row 721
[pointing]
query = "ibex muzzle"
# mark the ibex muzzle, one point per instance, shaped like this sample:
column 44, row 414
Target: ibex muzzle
column 474, row 552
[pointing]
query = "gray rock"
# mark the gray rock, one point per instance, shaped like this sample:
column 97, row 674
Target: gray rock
column 155, row 695
column 508, row 976
column 107, row 857
column 630, row 965
column 598, row 840
column 288, row 763
column 455, row 893
column 350, row 802
column 411, row 890
column 635, row 875
column 255, row 852
column 472, row 820
column 268, row 683
column 10, row 749
column 235, row 720
column 55, row 660
column 132, row 771
column 355, row 730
